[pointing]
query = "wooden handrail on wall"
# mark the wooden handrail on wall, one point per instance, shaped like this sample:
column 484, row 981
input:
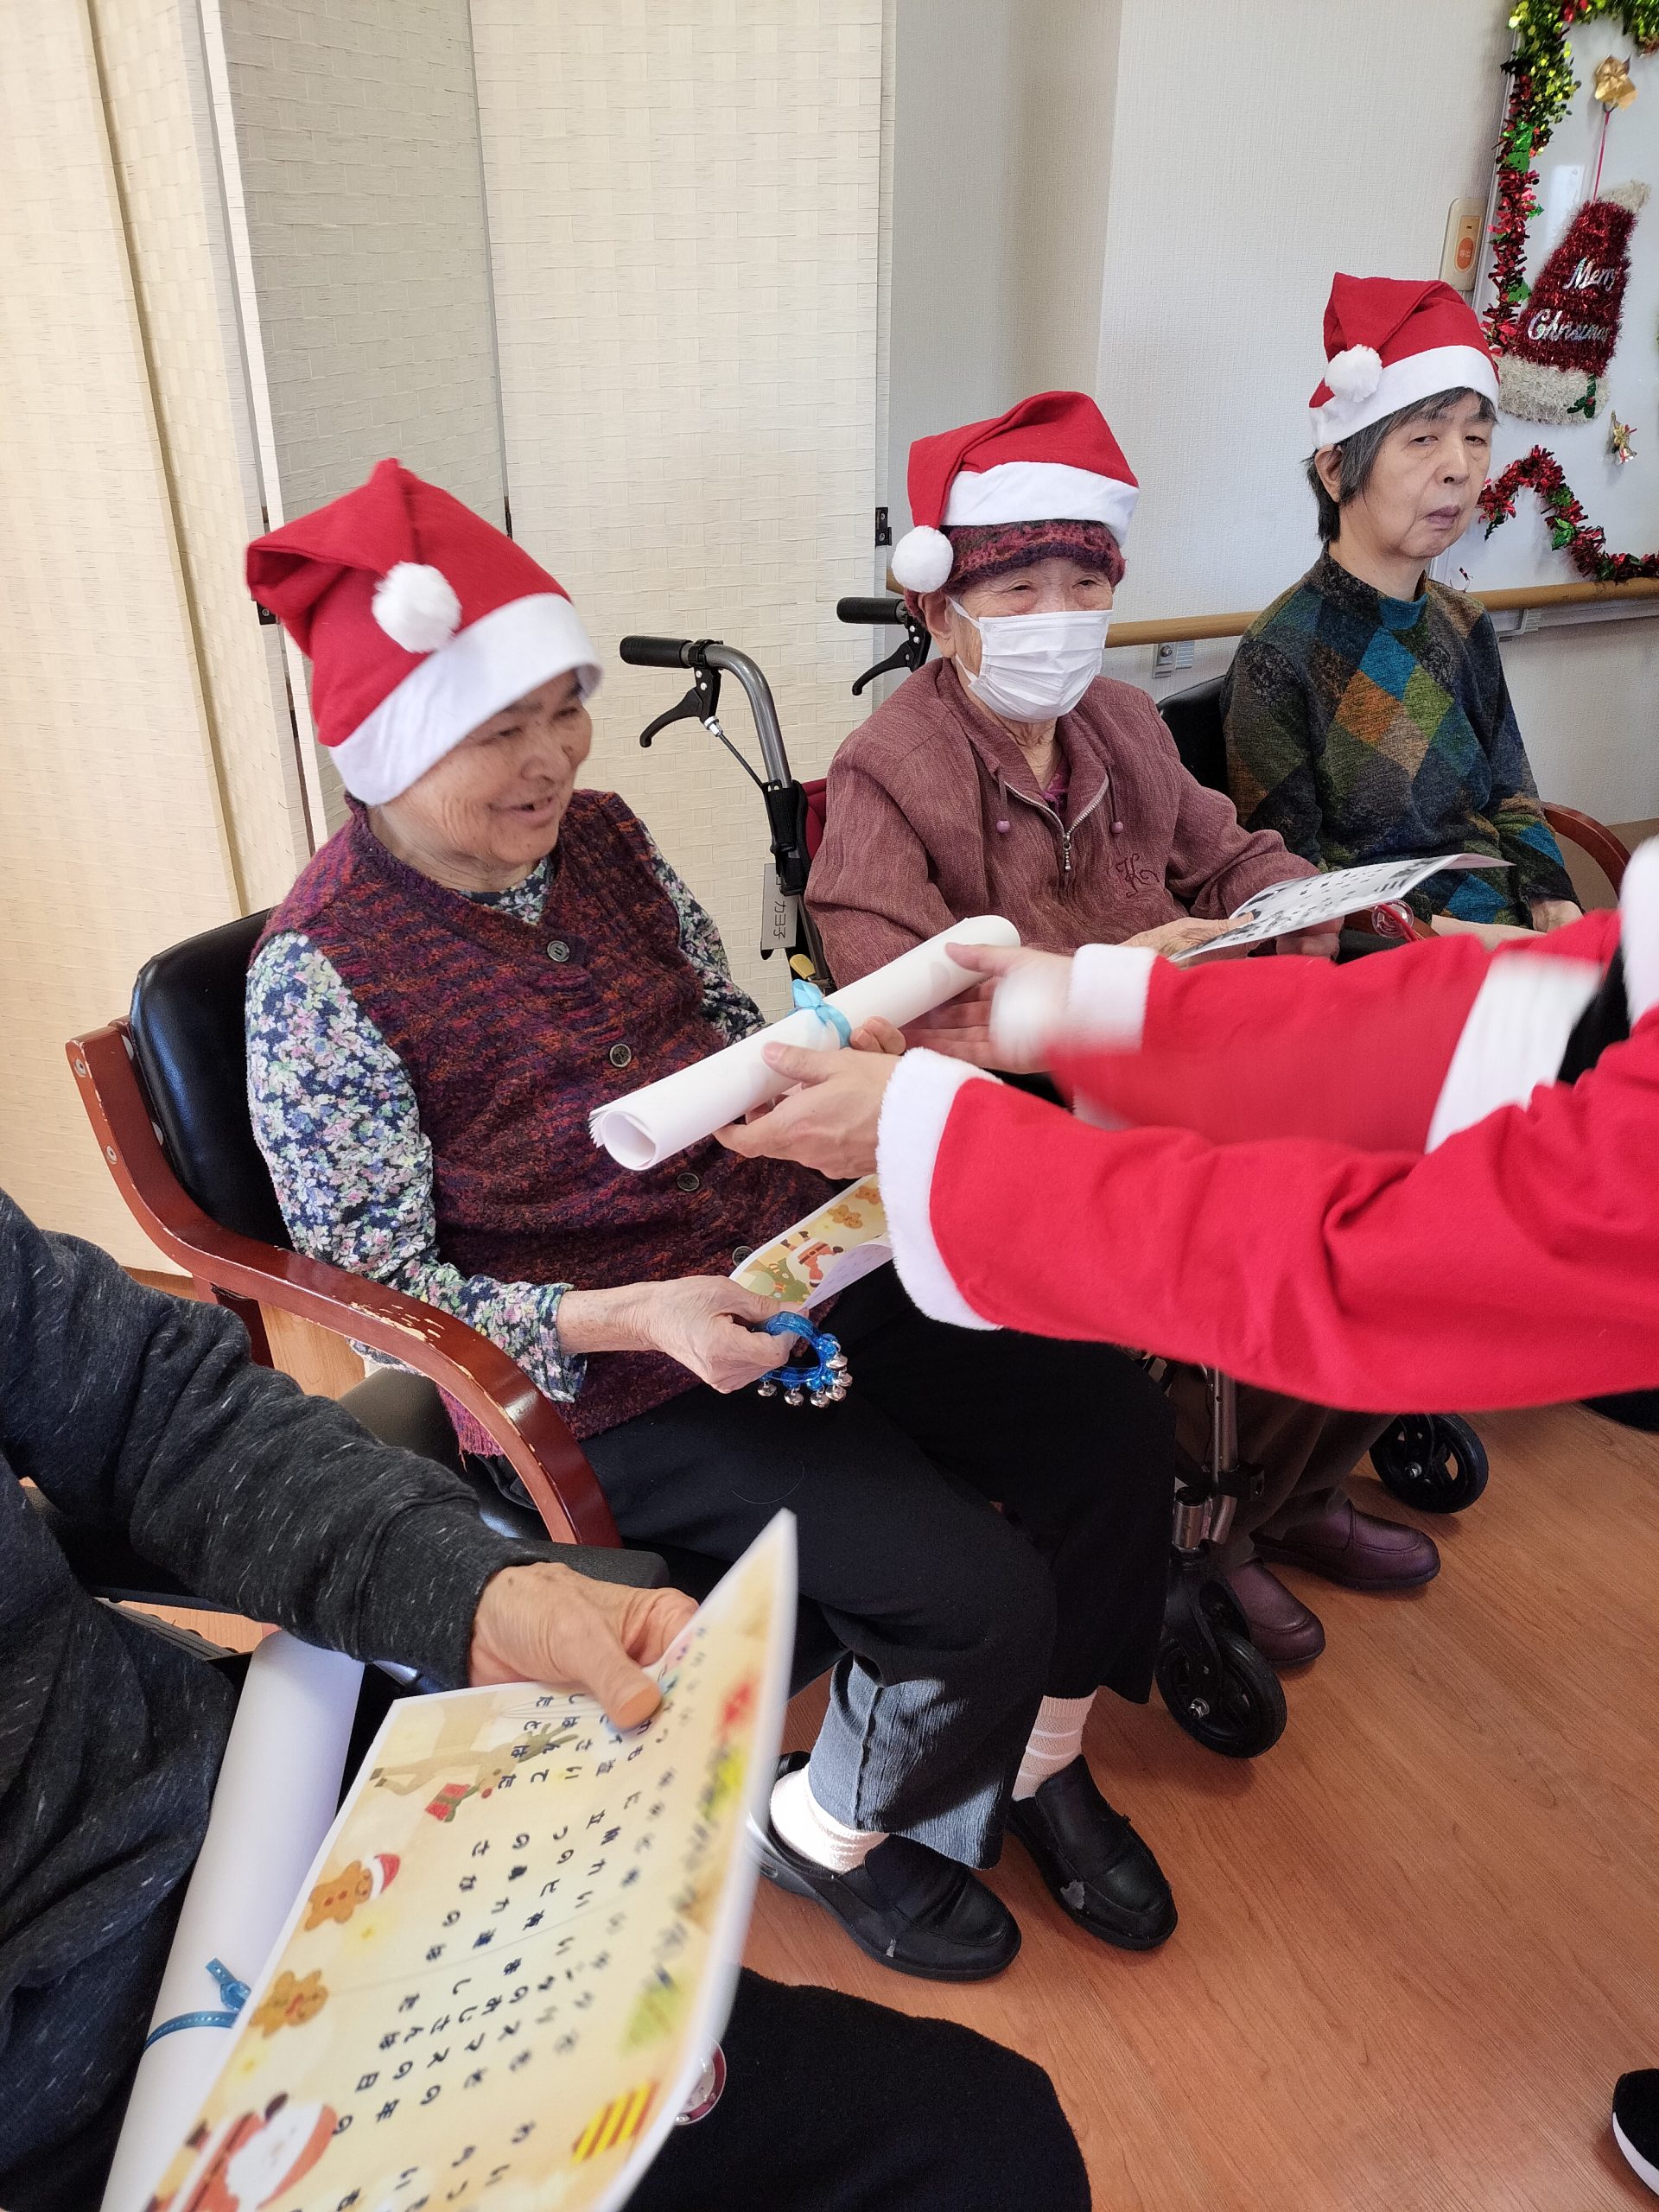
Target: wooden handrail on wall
column 1175, row 629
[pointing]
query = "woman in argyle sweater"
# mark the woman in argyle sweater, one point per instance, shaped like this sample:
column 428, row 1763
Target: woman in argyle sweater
column 1367, row 714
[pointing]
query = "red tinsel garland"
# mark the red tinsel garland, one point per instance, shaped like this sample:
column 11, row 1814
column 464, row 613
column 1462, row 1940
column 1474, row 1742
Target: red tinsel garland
column 1517, row 203
column 1571, row 530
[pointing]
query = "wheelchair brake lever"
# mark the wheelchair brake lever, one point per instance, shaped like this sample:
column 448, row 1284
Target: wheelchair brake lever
column 700, row 704
column 900, row 658
column 910, row 654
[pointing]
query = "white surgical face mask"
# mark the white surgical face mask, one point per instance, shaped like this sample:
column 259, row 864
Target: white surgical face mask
column 1033, row 667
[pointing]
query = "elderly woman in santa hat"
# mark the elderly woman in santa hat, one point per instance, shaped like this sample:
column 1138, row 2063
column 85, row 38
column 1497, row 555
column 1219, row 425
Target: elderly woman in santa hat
column 1367, row 714
column 482, row 957
column 1010, row 776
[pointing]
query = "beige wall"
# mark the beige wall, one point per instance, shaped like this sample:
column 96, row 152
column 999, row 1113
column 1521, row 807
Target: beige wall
column 157, row 104
column 683, row 210
column 1254, row 150
column 356, row 135
column 112, row 840
column 1002, row 166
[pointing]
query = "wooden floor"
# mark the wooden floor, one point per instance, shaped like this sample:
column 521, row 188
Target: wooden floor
column 1419, row 1938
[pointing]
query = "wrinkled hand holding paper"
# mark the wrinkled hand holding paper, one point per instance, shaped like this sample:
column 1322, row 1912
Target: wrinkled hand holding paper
column 1314, row 902
column 518, row 1946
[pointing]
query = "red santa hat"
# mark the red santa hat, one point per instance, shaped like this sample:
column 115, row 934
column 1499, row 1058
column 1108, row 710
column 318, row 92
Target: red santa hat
column 1389, row 343
column 1051, row 458
column 421, row 621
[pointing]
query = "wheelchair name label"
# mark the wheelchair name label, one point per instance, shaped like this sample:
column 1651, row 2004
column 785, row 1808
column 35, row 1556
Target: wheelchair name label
column 777, row 911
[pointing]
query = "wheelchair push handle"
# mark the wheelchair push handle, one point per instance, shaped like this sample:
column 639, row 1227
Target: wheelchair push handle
column 656, row 653
column 869, row 613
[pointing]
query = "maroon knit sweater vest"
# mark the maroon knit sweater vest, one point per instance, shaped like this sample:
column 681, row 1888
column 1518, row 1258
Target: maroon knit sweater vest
column 511, row 1034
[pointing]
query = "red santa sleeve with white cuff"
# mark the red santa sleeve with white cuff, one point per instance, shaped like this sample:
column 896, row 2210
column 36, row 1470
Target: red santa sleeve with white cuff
column 1517, row 1263
column 1244, row 1049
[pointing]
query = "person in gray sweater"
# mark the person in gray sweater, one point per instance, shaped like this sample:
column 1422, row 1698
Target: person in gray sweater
column 143, row 1415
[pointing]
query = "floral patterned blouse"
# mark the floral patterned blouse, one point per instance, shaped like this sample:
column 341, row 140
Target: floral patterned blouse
column 337, row 1120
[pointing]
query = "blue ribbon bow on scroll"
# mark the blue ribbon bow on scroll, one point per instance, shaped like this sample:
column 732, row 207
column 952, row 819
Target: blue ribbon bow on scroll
column 810, row 999
column 234, row 1992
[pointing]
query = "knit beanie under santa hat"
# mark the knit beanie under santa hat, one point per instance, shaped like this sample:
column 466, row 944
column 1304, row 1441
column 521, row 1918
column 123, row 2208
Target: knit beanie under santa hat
column 1389, row 343
column 421, row 621
column 1050, row 461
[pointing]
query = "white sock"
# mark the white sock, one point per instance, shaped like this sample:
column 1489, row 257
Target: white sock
column 817, row 1835
column 1056, row 1740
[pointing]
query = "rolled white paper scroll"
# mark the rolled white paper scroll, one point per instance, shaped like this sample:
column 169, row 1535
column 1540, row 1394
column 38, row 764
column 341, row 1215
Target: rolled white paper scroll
column 682, row 1109
column 273, row 1804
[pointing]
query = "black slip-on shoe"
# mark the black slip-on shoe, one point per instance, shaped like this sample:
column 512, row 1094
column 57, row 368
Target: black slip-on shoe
column 1635, row 2123
column 906, row 1906
column 1099, row 1870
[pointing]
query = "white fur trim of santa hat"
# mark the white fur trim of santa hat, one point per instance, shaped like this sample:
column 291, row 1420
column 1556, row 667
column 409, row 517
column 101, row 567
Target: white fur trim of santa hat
column 1039, row 490
column 1400, row 384
column 1014, row 491
column 460, row 684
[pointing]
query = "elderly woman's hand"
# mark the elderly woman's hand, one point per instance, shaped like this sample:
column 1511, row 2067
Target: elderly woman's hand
column 828, row 1122
column 1184, row 935
column 547, row 1623
column 1312, row 944
column 1554, row 913
column 712, row 1327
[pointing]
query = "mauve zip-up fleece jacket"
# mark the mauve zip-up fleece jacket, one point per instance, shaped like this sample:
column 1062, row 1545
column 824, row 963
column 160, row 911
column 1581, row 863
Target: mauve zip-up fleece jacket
column 140, row 1413
column 933, row 815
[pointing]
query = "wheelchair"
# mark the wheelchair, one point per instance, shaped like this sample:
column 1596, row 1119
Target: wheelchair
column 1216, row 1684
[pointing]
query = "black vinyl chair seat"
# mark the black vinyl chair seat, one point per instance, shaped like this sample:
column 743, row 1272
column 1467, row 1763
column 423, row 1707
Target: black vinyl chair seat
column 190, row 1045
column 1194, row 719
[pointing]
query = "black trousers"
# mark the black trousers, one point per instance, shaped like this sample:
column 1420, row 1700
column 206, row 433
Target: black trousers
column 957, row 1618
column 834, row 2105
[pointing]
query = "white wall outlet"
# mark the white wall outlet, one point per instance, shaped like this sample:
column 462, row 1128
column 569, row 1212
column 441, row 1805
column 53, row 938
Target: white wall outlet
column 1460, row 255
column 1171, row 655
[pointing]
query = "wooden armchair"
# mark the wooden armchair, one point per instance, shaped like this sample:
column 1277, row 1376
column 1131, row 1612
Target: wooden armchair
column 165, row 1090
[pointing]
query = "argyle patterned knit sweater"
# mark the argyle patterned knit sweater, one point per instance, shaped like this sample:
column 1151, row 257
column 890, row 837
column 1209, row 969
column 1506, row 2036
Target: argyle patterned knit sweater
column 1364, row 728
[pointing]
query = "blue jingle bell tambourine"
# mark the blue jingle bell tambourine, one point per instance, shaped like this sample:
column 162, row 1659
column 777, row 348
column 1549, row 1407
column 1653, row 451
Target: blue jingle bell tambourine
column 822, row 1378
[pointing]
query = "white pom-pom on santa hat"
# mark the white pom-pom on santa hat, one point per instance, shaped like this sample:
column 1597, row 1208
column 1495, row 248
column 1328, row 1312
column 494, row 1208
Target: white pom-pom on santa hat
column 921, row 560
column 1354, row 372
column 416, row 607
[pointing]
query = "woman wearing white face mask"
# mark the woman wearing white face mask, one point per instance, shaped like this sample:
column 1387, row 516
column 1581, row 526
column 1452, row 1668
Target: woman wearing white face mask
column 1010, row 776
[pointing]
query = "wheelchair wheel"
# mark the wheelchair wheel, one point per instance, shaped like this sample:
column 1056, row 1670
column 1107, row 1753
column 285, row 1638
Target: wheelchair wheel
column 1232, row 1703
column 1433, row 1461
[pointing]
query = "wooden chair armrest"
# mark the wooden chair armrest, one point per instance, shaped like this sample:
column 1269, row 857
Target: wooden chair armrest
column 1611, row 854
column 525, row 1425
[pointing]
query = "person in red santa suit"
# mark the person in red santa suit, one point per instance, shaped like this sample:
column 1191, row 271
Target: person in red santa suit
column 1414, row 1181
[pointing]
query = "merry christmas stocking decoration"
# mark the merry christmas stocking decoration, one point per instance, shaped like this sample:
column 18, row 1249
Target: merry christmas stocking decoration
column 1553, row 369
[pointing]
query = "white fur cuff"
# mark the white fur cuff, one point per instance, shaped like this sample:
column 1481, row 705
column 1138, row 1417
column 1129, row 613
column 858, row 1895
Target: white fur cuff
column 914, row 1113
